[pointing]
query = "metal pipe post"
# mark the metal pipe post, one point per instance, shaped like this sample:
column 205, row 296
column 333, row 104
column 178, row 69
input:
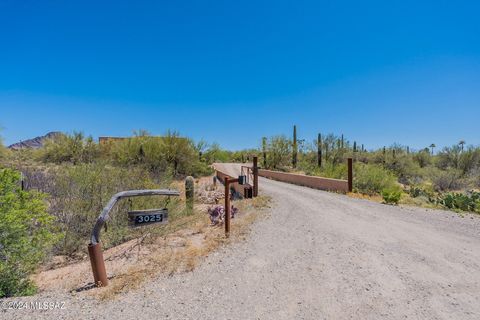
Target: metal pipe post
column 98, row 265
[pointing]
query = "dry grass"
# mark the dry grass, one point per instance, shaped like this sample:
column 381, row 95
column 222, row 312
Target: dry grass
column 375, row 198
column 186, row 248
column 172, row 248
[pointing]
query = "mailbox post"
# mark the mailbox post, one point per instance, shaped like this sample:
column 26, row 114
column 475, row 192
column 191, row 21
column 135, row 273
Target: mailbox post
column 240, row 180
column 95, row 249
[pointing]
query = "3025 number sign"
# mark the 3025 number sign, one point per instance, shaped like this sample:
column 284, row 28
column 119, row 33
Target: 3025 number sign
column 145, row 217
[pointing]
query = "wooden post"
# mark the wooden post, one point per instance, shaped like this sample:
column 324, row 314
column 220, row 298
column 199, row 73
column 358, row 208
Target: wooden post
column 255, row 176
column 227, row 207
column 350, row 175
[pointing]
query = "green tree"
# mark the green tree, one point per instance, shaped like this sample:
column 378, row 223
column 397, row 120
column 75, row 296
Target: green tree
column 27, row 234
column 74, row 148
column 279, row 150
column 3, row 150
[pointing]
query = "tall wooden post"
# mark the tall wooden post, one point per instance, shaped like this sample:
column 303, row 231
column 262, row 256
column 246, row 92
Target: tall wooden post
column 350, row 174
column 227, row 207
column 255, row 176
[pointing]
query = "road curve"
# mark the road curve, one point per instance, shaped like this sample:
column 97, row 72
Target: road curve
column 348, row 258
column 321, row 255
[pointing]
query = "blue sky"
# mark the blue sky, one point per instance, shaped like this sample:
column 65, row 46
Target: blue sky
column 234, row 71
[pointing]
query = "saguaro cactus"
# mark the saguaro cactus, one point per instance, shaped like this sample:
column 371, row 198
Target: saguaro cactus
column 384, row 156
column 295, row 147
column 342, row 142
column 354, row 146
column 189, row 192
column 264, row 151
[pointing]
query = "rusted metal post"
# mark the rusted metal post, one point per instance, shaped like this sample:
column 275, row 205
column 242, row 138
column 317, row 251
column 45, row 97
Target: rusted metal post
column 350, row 174
column 255, row 176
column 98, row 265
column 227, row 207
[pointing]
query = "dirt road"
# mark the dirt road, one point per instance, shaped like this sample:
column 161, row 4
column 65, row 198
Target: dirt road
column 319, row 256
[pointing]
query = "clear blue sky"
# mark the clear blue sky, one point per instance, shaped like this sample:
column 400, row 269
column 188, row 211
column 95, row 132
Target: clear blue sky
column 234, row 71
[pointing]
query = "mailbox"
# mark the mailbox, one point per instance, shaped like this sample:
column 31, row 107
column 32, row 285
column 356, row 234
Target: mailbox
column 242, row 180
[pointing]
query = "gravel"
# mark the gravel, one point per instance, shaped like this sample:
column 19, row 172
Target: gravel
column 318, row 255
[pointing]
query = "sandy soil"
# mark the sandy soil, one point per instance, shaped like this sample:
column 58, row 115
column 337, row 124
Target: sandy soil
column 318, row 255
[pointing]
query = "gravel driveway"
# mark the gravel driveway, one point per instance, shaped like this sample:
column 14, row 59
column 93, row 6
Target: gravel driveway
column 318, row 255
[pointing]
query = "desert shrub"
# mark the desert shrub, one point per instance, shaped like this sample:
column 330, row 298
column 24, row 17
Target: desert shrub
column 158, row 154
column 200, row 169
column 339, row 171
column 425, row 191
column 74, row 148
column 215, row 154
column 405, row 168
column 3, row 150
column 392, row 195
column 279, row 152
column 449, row 157
column 328, row 170
column 372, row 179
column 446, row 180
column 470, row 160
column 423, row 158
column 27, row 234
column 80, row 192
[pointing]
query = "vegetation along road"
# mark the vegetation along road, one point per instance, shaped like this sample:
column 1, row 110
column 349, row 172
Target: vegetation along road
column 319, row 255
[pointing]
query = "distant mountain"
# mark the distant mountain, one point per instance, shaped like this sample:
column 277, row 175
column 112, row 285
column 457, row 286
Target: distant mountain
column 34, row 143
